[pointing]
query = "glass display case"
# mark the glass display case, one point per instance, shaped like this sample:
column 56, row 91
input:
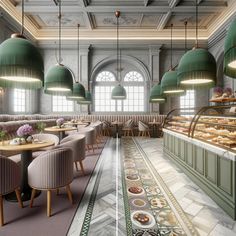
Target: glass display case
column 212, row 124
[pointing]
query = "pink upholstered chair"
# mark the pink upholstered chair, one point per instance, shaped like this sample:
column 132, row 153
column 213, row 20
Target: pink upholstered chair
column 128, row 128
column 9, row 182
column 90, row 137
column 50, row 171
column 143, row 129
column 77, row 143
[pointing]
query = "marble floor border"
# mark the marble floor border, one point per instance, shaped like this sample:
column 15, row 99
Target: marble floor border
column 183, row 219
column 78, row 220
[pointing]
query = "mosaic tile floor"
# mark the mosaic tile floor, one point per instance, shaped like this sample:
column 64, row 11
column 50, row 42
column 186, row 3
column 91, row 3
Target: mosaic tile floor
column 208, row 218
column 104, row 196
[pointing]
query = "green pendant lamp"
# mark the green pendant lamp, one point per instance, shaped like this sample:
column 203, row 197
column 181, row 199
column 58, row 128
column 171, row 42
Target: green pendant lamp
column 118, row 92
column 230, row 51
column 78, row 91
column 169, row 82
column 156, row 95
column 21, row 64
column 59, row 79
column 197, row 68
column 87, row 100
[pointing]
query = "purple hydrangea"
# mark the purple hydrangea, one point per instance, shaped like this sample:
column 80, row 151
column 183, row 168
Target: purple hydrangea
column 218, row 91
column 60, row 121
column 228, row 91
column 24, row 130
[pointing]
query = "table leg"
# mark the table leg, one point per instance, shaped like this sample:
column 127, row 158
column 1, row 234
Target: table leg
column 62, row 135
column 26, row 159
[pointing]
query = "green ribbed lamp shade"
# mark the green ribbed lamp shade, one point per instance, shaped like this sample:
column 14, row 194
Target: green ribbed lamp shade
column 87, row 100
column 21, row 64
column 230, row 51
column 77, row 93
column 197, row 68
column 58, row 81
column 118, row 93
column 169, row 84
column 156, row 95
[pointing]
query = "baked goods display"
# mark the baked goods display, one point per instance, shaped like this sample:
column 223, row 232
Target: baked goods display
column 218, row 130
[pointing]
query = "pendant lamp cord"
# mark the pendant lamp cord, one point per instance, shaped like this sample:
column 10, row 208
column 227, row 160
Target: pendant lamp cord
column 59, row 25
column 185, row 40
column 171, row 46
column 78, row 56
column 22, row 16
column 196, row 24
column 117, row 43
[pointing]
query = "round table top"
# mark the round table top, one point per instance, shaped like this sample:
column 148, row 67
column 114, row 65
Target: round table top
column 24, row 147
column 154, row 123
column 57, row 129
column 117, row 122
column 76, row 123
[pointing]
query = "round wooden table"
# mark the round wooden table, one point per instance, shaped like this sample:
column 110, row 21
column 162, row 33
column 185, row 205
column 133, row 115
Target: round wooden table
column 26, row 159
column 61, row 131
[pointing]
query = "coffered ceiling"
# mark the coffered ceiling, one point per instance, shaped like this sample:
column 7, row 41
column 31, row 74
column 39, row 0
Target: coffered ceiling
column 140, row 19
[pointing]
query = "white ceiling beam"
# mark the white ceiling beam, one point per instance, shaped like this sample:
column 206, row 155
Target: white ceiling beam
column 129, row 9
column 173, row 3
column 87, row 16
column 164, row 19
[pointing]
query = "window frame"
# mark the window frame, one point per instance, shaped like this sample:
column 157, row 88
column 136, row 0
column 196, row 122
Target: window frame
column 20, row 99
column 63, row 105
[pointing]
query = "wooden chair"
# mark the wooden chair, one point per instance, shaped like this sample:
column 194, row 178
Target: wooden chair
column 128, row 128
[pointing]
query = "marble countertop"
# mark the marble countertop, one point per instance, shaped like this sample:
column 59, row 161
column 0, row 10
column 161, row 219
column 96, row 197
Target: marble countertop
column 214, row 149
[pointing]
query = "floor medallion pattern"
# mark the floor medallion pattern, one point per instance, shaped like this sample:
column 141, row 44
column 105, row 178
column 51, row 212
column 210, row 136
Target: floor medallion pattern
column 150, row 208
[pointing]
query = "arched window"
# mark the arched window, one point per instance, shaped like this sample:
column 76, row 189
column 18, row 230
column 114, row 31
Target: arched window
column 134, row 85
column 105, row 82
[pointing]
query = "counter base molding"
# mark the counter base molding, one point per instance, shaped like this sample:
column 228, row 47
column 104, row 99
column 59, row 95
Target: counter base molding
column 213, row 173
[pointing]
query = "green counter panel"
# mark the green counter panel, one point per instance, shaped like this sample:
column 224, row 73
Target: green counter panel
column 214, row 174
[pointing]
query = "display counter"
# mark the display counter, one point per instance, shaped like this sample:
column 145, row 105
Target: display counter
column 211, row 165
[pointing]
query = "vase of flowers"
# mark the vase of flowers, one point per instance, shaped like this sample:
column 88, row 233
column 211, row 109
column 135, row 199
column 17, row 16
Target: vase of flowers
column 60, row 122
column 25, row 132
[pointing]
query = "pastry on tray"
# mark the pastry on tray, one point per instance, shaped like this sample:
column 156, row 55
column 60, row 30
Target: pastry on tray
column 135, row 190
column 142, row 218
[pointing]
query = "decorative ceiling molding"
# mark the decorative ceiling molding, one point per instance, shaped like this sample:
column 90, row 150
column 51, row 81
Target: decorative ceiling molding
column 143, row 20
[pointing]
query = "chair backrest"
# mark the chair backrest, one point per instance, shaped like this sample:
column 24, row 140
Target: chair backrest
column 52, row 169
column 129, row 123
column 9, row 175
column 142, row 126
column 76, row 143
column 47, row 137
column 90, row 135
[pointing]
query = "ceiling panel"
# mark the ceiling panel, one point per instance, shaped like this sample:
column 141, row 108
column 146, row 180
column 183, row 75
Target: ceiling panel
column 109, row 20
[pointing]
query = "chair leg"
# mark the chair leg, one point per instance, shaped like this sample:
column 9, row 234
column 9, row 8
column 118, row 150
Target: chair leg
column 92, row 148
column 49, row 203
column 1, row 212
column 149, row 134
column 132, row 133
column 57, row 191
column 82, row 167
column 69, row 193
column 32, row 197
column 18, row 198
column 76, row 166
column 87, row 146
column 97, row 145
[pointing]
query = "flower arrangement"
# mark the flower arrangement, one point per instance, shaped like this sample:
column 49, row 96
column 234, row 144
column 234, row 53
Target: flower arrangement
column 218, row 91
column 40, row 126
column 24, row 131
column 60, row 122
column 228, row 91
